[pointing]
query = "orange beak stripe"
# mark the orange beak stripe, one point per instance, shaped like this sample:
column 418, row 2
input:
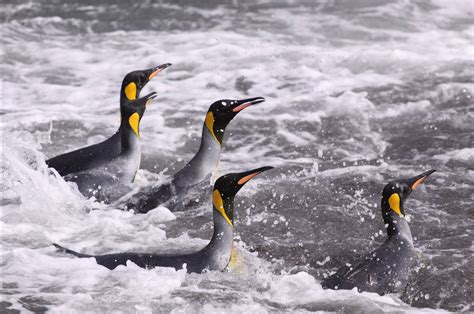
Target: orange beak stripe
column 418, row 182
column 153, row 74
column 148, row 102
column 242, row 107
column 247, row 178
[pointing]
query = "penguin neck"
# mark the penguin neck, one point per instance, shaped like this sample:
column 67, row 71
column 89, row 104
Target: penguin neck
column 123, row 98
column 123, row 122
column 222, row 229
column 396, row 226
column 129, row 140
column 202, row 164
column 219, row 249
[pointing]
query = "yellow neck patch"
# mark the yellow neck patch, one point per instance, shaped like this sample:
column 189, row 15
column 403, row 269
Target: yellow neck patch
column 236, row 262
column 134, row 120
column 232, row 256
column 131, row 91
column 210, row 125
column 233, row 259
column 394, row 202
column 219, row 205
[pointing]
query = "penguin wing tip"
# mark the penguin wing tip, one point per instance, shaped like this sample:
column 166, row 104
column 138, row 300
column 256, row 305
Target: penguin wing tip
column 58, row 247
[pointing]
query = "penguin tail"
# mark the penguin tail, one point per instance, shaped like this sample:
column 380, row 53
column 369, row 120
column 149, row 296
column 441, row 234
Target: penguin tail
column 68, row 251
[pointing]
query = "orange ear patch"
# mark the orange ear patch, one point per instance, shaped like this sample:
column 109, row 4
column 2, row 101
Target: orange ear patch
column 131, row 91
column 219, row 205
column 134, row 120
column 210, row 125
column 394, row 202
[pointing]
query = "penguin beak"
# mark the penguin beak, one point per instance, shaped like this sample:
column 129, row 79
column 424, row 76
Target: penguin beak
column 157, row 70
column 242, row 104
column 415, row 181
column 149, row 98
column 246, row 176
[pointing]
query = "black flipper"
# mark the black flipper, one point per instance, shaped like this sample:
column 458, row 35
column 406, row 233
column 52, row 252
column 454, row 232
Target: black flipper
column 68, row 251
column 87, row 157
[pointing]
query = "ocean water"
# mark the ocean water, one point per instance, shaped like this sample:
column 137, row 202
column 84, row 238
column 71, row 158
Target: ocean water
column 358, row 93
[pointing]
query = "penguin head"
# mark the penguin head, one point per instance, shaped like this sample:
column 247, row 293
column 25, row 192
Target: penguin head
column 132, row 111
column 397, row 192
column 134, row 81
column 225, row 189
column 223, row 111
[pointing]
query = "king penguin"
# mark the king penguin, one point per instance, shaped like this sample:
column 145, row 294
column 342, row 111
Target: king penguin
column 112, row 178
column 204, row 162
column 387, row 269
column 98, row 154
column 217, row 255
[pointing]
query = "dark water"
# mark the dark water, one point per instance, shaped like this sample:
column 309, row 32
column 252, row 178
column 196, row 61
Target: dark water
column 358, row 93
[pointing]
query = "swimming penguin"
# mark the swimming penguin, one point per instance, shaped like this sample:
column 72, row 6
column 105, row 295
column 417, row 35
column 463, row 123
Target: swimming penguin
column 386, row 269
column 95, row 155
column 215, row 256
column 115, row 174
column 202, row 165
